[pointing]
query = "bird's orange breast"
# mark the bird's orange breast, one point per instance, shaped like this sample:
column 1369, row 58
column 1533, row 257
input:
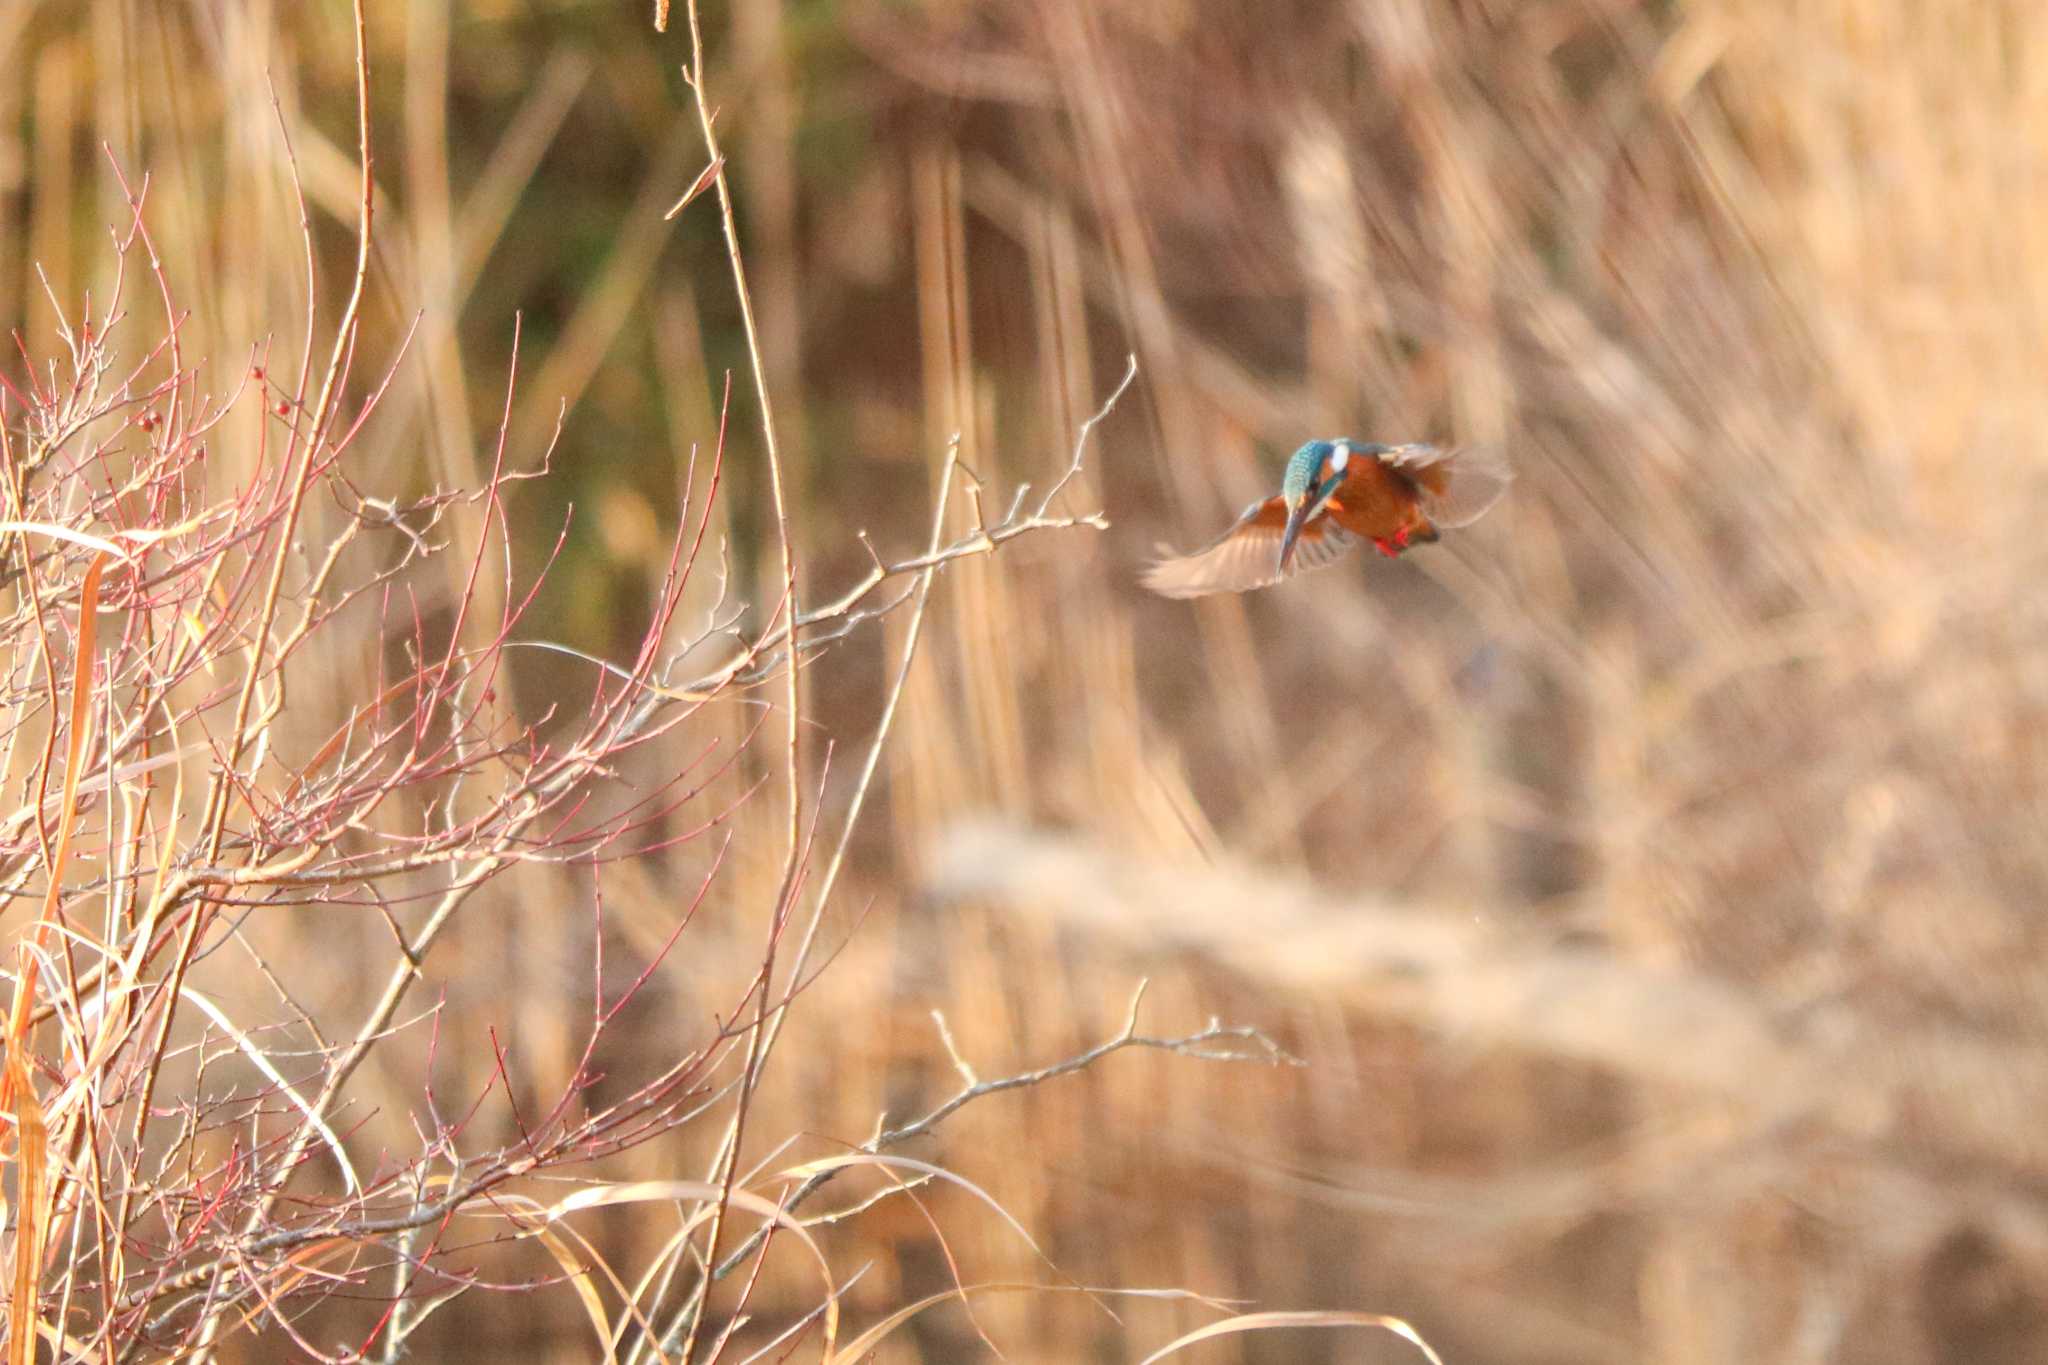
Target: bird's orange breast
column 1377, row 502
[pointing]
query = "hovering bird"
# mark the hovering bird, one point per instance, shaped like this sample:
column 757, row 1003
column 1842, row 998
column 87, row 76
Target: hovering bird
column 1335, row 494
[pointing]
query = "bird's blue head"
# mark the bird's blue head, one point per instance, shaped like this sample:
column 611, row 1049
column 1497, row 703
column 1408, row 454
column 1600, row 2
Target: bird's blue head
column 1305, row 470
column 1313, row 474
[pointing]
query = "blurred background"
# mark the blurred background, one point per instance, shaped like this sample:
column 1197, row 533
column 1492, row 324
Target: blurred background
column 1651, row 876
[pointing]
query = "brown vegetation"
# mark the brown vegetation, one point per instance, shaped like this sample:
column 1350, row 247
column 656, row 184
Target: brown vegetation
column 1648, row 878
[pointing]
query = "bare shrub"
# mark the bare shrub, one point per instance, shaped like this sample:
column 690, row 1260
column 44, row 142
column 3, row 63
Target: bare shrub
column 191, row 1164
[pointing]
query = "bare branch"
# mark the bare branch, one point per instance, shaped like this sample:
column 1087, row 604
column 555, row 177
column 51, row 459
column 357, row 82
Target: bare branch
column 1200, row 1045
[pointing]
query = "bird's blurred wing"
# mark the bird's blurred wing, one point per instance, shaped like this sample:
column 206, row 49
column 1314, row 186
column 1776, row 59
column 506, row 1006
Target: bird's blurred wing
column 1455, row 486
column 1244, row 556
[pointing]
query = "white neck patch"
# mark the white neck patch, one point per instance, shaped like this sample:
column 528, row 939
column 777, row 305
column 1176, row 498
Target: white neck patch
column 1341, row 456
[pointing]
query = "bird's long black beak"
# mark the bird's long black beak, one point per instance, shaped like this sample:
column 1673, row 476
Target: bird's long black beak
column 1297, row 516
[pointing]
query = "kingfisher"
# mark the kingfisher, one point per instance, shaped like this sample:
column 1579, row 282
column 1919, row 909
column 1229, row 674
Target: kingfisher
column 1335, row 494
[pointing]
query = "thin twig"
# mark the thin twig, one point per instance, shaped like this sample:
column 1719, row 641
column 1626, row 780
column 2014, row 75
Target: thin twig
column 793, row 757
column 1260, row 1048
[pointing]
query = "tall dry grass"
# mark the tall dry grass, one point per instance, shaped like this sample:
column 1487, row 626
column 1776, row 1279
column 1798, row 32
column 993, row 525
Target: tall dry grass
column 1740, row 691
